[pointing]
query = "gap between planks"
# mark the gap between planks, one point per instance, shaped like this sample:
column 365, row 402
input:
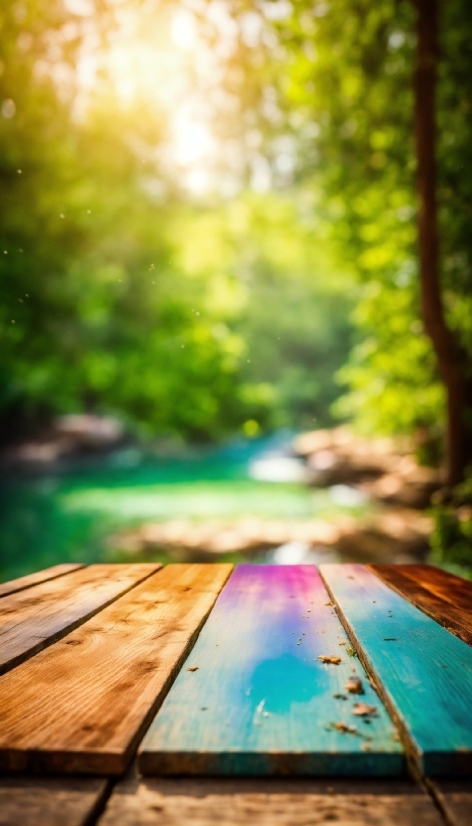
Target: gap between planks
column 33, row 619
column 24, row 582
column 83, row 704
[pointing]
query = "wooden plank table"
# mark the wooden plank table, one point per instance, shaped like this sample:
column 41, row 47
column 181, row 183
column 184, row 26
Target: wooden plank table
column 35, row 618
column 262, row 700
column 24, row 582
column 421, row 671
column 98, row 649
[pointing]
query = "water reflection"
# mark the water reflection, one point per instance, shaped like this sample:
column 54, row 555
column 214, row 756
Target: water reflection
column 300, row 553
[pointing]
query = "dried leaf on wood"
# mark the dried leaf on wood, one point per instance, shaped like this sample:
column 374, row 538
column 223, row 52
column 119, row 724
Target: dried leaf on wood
column 344, row 728
column 363, row 710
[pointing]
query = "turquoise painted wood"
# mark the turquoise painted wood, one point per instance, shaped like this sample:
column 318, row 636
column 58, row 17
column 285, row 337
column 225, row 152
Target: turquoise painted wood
column 425, row 672
column 253, row 698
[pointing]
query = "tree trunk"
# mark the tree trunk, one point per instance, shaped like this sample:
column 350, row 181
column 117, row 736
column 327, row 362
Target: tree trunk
column 452, row 360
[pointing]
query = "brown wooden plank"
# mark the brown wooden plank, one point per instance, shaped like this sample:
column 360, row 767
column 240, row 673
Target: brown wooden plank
column 33, row 619
column 50, row 801
column 444, row 597
column 451, row 588
column 83, row 704
column 24, row 582
column 268, row 802
column 454, row 797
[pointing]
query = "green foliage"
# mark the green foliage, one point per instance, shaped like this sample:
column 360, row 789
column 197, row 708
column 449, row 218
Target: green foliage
column 362, row 102
column 118, row 295
column 342, row 75
column 451, row 540
column 388, row 371
column 121, row 294
column 285, row 303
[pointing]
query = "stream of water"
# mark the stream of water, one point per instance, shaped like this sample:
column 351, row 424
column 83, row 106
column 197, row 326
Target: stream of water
column 69, row 514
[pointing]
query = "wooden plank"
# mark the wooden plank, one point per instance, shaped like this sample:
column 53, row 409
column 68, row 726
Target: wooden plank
column 454, row 798
column 423, row 673
column 82, row 705
column 261, row 701
column 237, row 801
column 30, row 801
column 24, row 582
column 451, row 588
column 413, row 583
column 33, row 619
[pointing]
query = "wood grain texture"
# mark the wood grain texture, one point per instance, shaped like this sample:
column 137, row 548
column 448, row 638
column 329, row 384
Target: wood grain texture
column 253, row 697
column 29, row 801
column 452, row 589
column 268, row 802
column 82, row 705
column 423, row 673
column 455, row 799
column 33, row 619
column 24, row 582
column 446, row 599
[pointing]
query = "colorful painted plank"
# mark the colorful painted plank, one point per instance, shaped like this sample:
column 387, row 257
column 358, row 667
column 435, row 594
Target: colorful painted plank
column 445, row 598
column 268, row 801
column 24, row 582
column 423, row 673
column 33, row 619
column 255, row 698
column 83, row 704
column 35, row 801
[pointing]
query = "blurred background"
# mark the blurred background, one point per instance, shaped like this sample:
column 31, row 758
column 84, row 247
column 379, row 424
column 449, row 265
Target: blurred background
column 212, row 318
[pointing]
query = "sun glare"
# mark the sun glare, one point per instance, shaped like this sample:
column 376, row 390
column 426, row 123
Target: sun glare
column 183, row 30
column 157, row 61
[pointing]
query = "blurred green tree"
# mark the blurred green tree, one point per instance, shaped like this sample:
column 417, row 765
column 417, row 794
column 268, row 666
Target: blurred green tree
column 342, row 78
column 119, row 293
